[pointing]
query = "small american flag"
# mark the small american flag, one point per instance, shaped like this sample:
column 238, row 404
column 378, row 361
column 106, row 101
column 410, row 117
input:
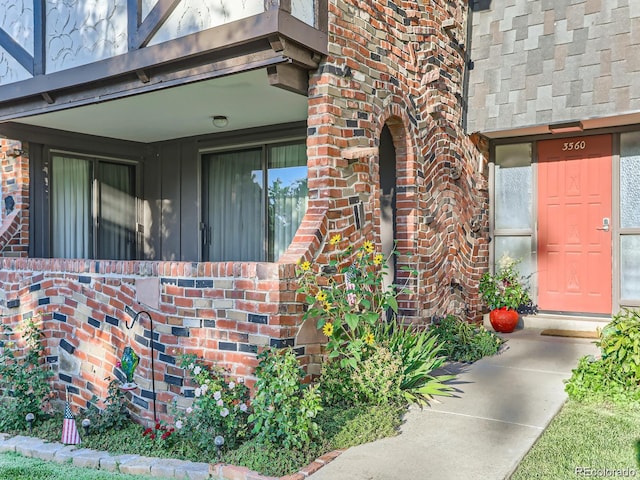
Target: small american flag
column 70, row 435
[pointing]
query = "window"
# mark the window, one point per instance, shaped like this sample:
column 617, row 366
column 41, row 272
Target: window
column 93, row 209
column 254, row 201
column 513, row 200
column 630, row 216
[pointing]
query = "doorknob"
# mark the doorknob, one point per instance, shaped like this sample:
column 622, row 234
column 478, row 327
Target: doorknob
column 605, row 225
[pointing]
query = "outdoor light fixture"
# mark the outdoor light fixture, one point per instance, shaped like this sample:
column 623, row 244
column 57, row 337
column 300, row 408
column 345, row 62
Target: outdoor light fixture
column 220, row 121
column 86, row 423
column 568, row 127
column 219, row 442
column 30, row 417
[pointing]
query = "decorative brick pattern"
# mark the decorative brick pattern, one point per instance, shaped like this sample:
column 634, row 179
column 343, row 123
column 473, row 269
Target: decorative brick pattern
column 14, row 187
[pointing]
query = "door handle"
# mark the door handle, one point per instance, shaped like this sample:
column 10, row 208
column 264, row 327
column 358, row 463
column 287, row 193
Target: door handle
column 605, row 225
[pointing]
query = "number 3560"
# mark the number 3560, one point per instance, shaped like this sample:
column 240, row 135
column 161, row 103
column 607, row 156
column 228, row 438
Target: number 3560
column 579, row 145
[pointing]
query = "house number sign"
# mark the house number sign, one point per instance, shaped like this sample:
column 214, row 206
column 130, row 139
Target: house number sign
column 577, row 145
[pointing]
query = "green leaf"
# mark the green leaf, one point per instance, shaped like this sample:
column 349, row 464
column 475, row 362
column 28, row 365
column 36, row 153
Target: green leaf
column 393, row 303
column 352, row 320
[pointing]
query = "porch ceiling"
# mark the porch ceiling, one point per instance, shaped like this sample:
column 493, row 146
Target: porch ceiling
column 246, row 99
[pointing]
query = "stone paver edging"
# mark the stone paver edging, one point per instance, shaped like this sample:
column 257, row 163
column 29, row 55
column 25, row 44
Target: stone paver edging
column 140, row 465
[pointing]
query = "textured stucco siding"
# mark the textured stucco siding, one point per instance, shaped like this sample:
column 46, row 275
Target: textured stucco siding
column 549, row 61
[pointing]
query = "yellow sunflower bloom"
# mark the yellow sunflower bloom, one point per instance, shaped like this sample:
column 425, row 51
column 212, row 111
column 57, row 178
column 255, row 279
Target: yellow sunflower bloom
column 335, row 239
column 368, row 246
column 377, row 260
column 328, row 329
column 305, row 266
column 369, row 339
column 321, row 296
column 327, row 306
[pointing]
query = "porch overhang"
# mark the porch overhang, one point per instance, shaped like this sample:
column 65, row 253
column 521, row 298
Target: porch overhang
column 276, row 40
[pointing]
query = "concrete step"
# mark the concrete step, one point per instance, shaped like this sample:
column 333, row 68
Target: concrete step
column 543, row 321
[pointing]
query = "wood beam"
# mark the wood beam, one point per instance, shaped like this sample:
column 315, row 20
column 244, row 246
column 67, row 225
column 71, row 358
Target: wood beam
column 154, row 21
column 14, row 49
column 289, row 77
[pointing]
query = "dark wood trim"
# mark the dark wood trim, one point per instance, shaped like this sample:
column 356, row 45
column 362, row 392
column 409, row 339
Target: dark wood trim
column 154, row 21
column 264, row 134
column 289, row 77
column 76, row 142
column 129, row 86
column 322, row 15
column 16, row 50
column 134, row 18
column 39, row 35
column 219, row 41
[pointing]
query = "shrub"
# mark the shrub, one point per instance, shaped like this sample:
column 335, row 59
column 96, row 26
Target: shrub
column 283, row 408
column 220, row 406
column 24, row 377
column 464, row 342
column 419, row 356
column 375, row 380
column 114, row 415
column 615, row 376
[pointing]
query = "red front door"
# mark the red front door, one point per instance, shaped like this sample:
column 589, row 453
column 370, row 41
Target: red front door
column 574, row 218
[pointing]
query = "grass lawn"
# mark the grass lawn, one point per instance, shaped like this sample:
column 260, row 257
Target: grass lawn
column 17, row 467
column 585, row 436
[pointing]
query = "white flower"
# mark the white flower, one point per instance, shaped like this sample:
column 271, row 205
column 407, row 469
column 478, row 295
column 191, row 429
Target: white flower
column 217, row 395
column 197, row 370
column 198, row 392
column 220, row 403
column 191, row 365
column 189, row 410
column 204, row 388
column 179, row 424
column 224, row 412
column 243, row 407
column 232, row 385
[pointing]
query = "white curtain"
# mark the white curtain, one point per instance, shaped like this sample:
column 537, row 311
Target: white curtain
column 235, row 211
column 117, row 212
column 71, row 217
column 288, row 195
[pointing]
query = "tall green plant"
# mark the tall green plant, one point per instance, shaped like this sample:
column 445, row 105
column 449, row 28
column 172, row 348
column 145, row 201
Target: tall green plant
column 347, row 298
column 420, row 355
column 24, row 375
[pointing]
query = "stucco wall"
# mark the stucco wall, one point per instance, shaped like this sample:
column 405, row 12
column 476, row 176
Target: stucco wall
column 548, row 61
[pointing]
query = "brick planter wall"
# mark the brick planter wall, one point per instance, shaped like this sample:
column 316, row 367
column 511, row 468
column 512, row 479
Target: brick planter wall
column 223, row 312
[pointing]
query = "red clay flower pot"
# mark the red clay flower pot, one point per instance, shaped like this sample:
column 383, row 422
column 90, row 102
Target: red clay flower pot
column 503, row 319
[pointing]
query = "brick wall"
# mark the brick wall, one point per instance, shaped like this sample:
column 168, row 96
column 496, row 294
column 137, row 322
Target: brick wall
column 401, row 64
column 223, row 312
column 14, row 183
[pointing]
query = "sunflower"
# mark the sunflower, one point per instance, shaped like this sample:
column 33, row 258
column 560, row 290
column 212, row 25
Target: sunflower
column 369, row 339
column 328, row 329
column 327, row 306
column 305, row 266
column 335, row 239
column 321, row 296
column 368, row 246
column 377, row 260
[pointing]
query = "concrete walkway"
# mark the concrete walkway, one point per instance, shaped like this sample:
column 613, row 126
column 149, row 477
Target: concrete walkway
column 504, row 404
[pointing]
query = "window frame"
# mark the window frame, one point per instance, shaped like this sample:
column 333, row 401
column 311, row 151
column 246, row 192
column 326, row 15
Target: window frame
column 265, row 148
column 96, row 192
